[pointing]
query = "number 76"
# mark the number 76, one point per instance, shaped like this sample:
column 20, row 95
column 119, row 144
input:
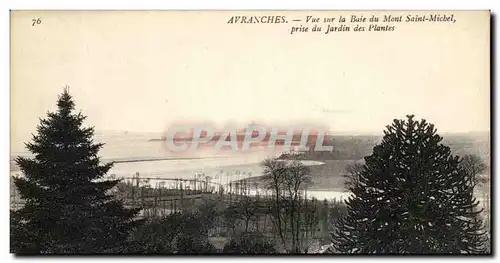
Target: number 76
column 37, row 21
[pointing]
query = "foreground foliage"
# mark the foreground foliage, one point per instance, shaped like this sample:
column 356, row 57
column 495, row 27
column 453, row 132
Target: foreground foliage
column 249, row 243
column 411, row 196
column 176, row 233
column 68, row 209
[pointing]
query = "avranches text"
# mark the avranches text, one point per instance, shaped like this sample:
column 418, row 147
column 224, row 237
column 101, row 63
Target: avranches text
column 257, row 20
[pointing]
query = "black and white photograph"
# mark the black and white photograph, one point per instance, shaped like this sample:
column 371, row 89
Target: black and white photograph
column 250, row 132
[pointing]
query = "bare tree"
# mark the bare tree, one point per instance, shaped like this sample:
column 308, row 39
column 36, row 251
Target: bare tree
column 295, row 182
column 274, row 171
column 287, row 180
column 351, row 175
column 474, row 166
column 310, row 222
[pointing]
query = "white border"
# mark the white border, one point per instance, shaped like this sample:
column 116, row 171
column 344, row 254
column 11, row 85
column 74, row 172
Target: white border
column 187, row 4
column 246, row 4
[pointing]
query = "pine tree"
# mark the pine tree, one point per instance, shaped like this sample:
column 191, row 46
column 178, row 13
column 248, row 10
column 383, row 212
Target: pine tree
column 413, row 196
column 69, row 208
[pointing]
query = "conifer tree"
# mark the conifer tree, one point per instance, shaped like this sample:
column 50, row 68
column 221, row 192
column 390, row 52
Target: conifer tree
column 68, row 206
column 413, row 196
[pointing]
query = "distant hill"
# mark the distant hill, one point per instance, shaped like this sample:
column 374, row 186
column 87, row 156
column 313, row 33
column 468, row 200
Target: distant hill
column 350, row 149
column 357, row 147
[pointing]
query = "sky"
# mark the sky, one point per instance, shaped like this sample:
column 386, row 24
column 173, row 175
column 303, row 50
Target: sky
column 142, row 71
